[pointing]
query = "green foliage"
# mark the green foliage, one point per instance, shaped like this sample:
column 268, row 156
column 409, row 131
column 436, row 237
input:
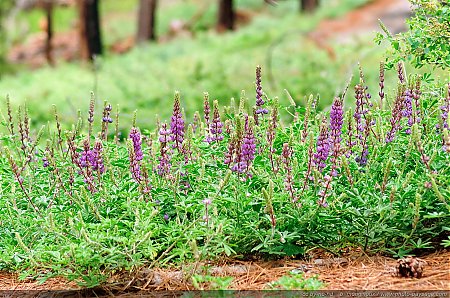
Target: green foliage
column 296, row 281
column 428, row 39
column 53, row 223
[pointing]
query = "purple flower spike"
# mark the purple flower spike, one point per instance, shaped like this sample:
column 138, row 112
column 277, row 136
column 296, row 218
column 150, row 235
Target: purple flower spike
column 323, row 147
column 135, row 137
column 408, row 109
column 135, row 154
column 259, row 94
column 164, row 159
column 97, row 159
column 216, row 126
column 177, row 124
column 336, row 122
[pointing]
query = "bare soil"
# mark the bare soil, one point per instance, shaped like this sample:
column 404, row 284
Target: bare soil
column 354, row 272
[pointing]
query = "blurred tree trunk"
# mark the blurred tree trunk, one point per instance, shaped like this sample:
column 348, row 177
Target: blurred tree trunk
column 89, row 26
column 146, row 20
column 48, row 8
column 308, row 5
column 226, row 15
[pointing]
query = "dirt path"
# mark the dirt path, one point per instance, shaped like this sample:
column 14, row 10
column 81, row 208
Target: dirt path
column 365, row 20
column 351, row 273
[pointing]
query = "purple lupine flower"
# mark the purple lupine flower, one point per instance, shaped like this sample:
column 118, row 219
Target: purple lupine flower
column 248, row 143
column 166, row 217
column 164, row 159
column 97, row 159
column 259, row 93
column 229, row 153
column 177, row 124
column 396, row 115
column 45, row 162
column 135, row 167
column 360, row 111
column 86, row 158
column 233, row 156
column 407, row 111
column 215, row 128
column 322, row 147
column 336, row 122
column 83, row 162
column 107, row 114
column 135, row 137
column 135, row 153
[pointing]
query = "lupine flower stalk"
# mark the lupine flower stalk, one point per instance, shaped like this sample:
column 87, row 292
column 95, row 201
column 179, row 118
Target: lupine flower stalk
column 196, row 121
column 407, row 111
column 164, row 159
column 106, row 119
column 58, row 127
column 146, row 187
column 135, row 169
column 416, row 93
column 396, row 114
column 87, row 159
column 350, row 131
column 259, row 93
column 322, row 147
column 307, row 115
column 10, row 118
column 22, row 132
column 381, row 84
column 336, row 122
column 248, row 144
column 76, row 160
column 360, row 110
column 233, row 156
column 97, row 153
column 255, row 115
column 187, row 145
column 286, row 157
column 206, row 111
column 401, row 73
column 135, row 154
column 418, row 142
column 271, row 131
column 91, row 114
column 215, row 128
column 177, row 124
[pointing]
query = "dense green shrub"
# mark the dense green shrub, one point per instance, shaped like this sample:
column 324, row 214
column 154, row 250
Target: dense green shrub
column 428, row 39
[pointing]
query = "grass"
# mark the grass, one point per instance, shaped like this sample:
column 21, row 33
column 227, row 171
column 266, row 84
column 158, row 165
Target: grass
column 146, row 78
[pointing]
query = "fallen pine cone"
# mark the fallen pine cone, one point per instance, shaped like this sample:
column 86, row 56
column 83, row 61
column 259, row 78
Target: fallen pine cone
column 410, row 267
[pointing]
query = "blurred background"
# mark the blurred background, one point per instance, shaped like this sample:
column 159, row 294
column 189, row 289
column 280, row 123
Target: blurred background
column 137, row 53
